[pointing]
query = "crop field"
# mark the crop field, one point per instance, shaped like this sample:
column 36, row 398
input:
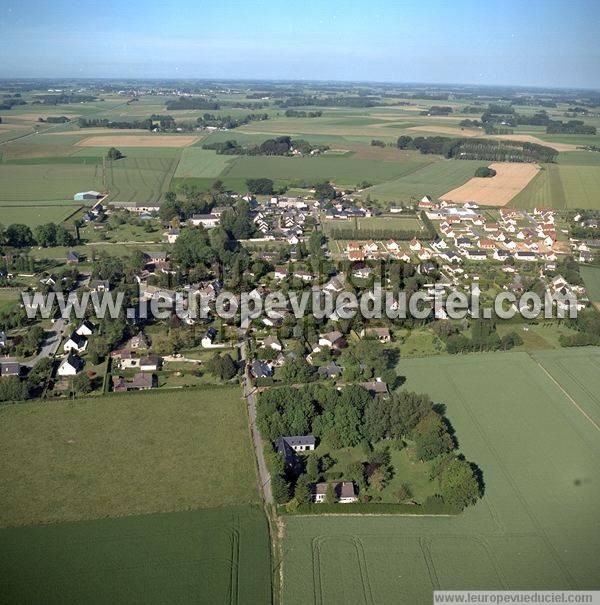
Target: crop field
column 202, row 163
column 124, row 455
column 139, row 179
column 530, row 422
column 217, row 555
column 148, row 140
column 510, row 180
column 432, row 178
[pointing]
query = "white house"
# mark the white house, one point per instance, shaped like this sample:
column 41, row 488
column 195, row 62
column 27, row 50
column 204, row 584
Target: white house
column 85, row 329
column 208, row 221
column 75, row 342
column 70, row 365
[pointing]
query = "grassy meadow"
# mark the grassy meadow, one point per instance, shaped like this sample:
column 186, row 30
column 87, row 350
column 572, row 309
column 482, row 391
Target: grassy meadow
column 521, row 418
column 124, row 454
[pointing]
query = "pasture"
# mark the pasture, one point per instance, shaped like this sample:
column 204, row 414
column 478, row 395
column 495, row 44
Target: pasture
column 124, row 454
column 219, row 555
column 509, row 180
column 530, row 422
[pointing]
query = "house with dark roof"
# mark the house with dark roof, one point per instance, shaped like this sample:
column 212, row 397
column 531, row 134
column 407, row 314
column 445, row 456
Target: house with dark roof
column 72, row 364
column 75, row 342
column 10, row 368
column 140, row 382
column 260, row 369
column 331, row 370
column 375, row 387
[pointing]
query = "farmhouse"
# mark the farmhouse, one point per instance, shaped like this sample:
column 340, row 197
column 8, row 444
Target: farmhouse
column 343, row 492
column 208, row 221
column 331, row 370
column 139, row 207
column 375, row 387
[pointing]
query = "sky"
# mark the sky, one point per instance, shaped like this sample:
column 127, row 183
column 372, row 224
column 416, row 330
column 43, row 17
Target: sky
column 494, row 42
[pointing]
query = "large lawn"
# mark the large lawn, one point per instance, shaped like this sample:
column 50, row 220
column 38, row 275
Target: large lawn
column 217, row 555
column 124, row 454
column 530, row 423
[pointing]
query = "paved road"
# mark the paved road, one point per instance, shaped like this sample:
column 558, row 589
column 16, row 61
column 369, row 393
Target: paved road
column 54, row 336
column 51, row 343
column 263, row 473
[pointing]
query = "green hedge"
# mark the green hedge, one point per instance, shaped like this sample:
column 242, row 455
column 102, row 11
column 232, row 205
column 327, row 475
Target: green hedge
column 380, row 508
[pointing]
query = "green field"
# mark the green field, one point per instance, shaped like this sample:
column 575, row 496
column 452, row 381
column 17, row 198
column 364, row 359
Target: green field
column 343, row 171
column 140, row 179
column 545, row 189
column 201, row 163
column 205, row 556
column 572, row 183
column 591, row 278
column 535, row 527
column 34, row 214
column 434, row 179
column 47, row 181
column 123, row 455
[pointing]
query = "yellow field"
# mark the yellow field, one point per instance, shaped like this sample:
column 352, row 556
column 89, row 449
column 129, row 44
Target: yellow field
column 148, row 140
column 510, row 179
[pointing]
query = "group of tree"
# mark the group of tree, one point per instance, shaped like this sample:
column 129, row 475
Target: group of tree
column 222, row 366
column 483, row 337
column 437, row 110
column 192, row 103
column 329, row 101
column 485, row 172
column 350, row 417
column 569, row 127
column 209, row 120
column 296, row 113
column 283, row 145
column 479, row 149
column 114, row 154
column 47, row 235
